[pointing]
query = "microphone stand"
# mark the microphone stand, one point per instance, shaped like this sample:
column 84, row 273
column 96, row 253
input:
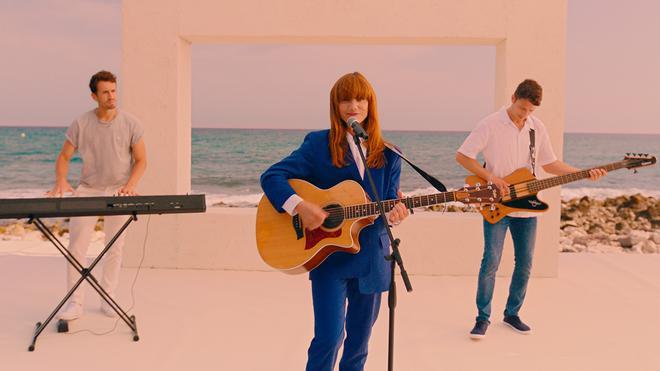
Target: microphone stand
column 394, row 258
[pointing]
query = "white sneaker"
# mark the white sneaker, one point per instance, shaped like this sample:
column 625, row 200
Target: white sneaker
column 107, row 310
column 72, row 311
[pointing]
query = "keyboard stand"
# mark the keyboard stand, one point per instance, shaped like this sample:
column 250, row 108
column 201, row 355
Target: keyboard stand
column 85, row 274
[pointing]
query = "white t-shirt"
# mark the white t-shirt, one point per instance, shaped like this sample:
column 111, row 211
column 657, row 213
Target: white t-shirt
column 506, row 148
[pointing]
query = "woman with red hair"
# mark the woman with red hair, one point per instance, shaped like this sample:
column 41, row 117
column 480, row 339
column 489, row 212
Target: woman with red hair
column 326, row 158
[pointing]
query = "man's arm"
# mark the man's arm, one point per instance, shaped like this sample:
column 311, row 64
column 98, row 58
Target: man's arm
column 472, row 166
column 475, row 168
column 139, row 153
column 62, row 185
column 561, row 168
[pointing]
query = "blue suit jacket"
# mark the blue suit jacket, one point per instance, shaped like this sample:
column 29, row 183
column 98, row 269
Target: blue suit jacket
column 312, row 162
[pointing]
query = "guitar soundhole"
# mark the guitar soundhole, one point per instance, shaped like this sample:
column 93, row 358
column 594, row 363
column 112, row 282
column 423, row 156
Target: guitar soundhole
column 335, row 217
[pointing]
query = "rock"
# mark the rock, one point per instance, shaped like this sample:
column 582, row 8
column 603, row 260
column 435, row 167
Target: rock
column 632, row 239
column 579, row 247
column 601, row 236
column 608, row 228
column 16, row 230
column 655, row 223
column 595, row 229
column 621, row 226
column 649, row 247
column 644, row 225
column 626, row 241
column 656, row 238
column 636, row 202
column 581, row 240
column 636, row 249
column 584, row 204
column 615, row 202
column 626, row 214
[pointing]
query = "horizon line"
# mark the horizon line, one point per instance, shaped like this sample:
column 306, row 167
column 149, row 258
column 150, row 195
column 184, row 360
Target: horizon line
column 41, row 126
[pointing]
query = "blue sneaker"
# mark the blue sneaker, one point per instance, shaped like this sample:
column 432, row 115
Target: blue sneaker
column 517, row 325
column 479, row 330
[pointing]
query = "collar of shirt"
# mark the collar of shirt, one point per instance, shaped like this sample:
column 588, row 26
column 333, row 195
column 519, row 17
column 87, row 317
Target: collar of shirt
column 504, row 115
column 356, row 154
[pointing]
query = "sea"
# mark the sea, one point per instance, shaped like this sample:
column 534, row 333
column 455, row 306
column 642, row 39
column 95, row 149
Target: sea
column 227, row 163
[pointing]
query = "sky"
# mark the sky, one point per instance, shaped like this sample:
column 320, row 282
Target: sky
column 51, row 48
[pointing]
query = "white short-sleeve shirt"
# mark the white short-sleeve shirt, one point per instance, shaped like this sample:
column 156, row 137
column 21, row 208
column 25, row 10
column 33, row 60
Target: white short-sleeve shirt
column 506, row 148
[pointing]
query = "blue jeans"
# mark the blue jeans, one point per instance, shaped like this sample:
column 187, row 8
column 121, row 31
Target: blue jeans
column 332, row 315
column 523, row 232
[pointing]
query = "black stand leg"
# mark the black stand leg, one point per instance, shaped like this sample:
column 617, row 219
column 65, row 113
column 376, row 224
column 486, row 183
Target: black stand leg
column 85, row 274
column 391, row 303
column 395, row 258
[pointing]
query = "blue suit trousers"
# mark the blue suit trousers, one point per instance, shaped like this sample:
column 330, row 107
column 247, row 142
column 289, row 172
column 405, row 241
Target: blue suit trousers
column 330, row 297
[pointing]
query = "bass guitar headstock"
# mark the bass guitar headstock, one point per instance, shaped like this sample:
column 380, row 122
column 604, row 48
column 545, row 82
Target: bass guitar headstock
column 636, row 160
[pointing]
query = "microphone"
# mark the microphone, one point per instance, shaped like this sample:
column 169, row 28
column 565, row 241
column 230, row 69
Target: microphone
column 357, row 128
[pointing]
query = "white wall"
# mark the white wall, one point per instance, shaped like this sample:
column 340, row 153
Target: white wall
column 530, row 38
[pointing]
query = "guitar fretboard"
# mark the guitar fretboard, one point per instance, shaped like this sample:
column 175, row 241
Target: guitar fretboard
column 370, row 209
column 541, row 184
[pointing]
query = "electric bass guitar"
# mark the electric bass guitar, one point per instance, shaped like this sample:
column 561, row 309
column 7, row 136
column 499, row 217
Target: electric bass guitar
column 285, row 244
column 524, row 186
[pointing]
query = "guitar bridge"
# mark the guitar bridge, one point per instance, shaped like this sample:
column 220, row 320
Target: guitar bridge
column 297, row 226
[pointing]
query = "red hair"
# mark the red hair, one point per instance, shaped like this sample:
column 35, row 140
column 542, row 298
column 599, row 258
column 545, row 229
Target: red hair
column 355, row 86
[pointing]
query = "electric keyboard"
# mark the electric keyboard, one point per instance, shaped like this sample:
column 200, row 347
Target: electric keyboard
column 62, row 207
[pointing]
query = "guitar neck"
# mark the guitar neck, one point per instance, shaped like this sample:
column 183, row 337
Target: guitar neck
column 371, row 209
column 541, row 184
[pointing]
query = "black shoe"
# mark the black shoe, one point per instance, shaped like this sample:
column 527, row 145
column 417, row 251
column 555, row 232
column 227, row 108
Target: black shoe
column 517, row 325
column 479, row 330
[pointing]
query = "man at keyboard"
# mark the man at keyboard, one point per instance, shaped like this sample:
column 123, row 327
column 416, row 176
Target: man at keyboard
column 111, row 145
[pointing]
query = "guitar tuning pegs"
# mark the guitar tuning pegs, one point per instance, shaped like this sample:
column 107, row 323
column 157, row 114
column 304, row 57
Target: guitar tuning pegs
column 477, row 184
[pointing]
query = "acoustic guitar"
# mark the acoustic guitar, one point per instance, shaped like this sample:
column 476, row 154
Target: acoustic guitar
column 285, row 244
column 524, row 186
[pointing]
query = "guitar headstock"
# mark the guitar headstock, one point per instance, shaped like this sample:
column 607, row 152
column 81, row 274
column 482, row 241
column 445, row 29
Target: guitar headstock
column 478, row 194
column 635, row 160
